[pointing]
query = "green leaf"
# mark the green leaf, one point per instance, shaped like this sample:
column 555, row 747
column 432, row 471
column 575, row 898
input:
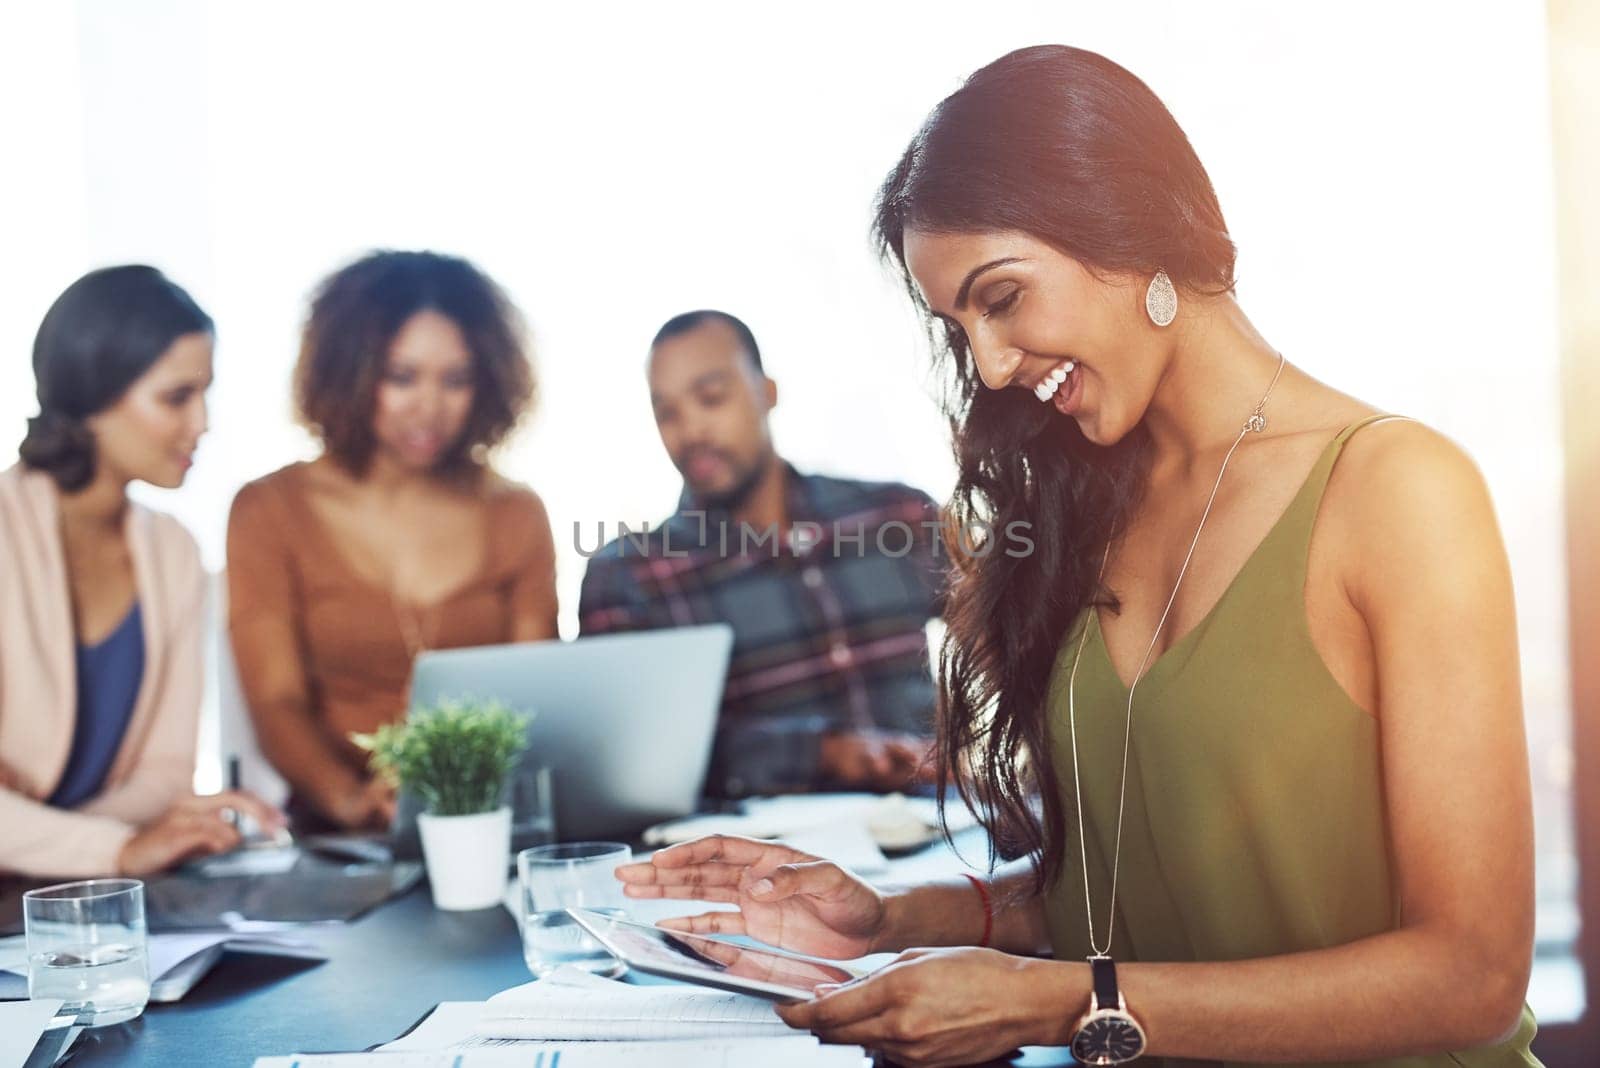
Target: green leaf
column 454, row 754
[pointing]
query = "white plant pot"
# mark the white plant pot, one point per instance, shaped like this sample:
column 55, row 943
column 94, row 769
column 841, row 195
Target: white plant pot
column 467, row 857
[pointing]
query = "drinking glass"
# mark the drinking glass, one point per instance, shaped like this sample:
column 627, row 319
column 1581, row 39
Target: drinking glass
column 87, row 945
column 531, row 795
column 554, row 878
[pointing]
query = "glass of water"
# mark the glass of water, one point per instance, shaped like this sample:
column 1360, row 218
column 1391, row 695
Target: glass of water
column 555, row 878
column 530, row 793
column 86, row 944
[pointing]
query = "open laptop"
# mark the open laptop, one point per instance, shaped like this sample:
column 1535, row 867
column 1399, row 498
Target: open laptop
column 624, row 721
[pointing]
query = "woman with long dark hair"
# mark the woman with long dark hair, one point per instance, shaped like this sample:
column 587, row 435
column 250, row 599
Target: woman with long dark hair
column 1249, row 710
column 103, row 599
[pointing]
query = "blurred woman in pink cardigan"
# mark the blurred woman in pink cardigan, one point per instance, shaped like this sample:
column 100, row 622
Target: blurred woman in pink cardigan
column 100, row 645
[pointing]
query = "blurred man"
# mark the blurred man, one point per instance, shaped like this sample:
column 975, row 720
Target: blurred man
column 827, row 583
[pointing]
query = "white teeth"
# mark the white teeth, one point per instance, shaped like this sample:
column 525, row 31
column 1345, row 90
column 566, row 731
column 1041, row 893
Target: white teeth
column 1051, row 383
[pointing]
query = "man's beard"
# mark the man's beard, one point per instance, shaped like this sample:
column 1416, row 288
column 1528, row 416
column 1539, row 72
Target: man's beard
column 737, row 495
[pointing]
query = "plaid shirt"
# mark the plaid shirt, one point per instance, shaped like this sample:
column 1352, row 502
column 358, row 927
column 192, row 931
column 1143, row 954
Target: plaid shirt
column 828, row 619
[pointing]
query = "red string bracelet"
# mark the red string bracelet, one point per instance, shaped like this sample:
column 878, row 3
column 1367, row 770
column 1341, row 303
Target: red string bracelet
column 988, row 910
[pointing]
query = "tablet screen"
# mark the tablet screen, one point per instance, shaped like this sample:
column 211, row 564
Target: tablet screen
column 708, row 960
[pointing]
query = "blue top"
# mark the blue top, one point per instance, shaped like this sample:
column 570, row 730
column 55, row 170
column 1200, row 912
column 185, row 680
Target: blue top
column 109, row 674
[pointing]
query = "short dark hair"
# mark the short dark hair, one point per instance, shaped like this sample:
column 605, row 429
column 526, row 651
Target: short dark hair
column 102, row 333
column 682, row 324
column 356, row 314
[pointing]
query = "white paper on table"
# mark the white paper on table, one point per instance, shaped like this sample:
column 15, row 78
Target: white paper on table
column 768, row 817
column 453, row 1027
column 799, row 1052
column 260, row 861
column 22, row 1024
column 166, row 954
column 569, row 1003
column 846, row 844
column 640, row 910
column 893, row 821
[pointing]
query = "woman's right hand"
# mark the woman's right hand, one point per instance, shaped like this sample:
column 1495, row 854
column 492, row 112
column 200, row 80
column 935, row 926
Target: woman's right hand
column 368, row 807
column 786, row 898
column 194, row 826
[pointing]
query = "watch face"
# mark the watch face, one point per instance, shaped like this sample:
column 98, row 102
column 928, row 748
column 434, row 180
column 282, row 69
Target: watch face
column 1108, row 1038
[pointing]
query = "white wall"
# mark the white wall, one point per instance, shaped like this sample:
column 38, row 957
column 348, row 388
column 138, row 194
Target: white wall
column 1385, row 175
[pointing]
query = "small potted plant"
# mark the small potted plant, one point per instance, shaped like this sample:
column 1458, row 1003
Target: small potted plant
column 455, row 756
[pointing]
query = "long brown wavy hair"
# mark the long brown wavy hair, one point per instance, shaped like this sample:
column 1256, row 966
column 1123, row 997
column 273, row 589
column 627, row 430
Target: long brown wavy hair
column 1070, row 148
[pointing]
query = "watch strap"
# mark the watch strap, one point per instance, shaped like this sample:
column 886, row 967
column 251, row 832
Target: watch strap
column 1105, row 982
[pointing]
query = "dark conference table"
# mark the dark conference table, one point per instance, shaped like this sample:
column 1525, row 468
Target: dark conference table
column 385, row 972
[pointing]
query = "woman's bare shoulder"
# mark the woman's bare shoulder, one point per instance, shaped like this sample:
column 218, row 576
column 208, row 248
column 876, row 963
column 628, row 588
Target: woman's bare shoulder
column 1405, row 500
column 1396, row 458
column 502, row 492
column 515, row 507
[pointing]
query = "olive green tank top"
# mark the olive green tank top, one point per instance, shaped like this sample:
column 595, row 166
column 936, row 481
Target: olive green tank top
column 1255, row 820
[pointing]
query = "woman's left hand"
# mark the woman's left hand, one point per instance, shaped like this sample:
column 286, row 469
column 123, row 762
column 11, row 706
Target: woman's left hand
column 949, row 1006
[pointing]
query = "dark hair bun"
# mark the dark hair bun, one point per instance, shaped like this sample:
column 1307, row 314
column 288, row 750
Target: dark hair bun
column 62, row 446
column 103, row 332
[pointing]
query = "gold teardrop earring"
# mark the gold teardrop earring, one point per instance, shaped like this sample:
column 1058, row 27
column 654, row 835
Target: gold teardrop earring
column 1161, row 300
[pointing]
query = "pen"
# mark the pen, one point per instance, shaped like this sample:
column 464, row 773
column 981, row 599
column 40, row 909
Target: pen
column 233, row 817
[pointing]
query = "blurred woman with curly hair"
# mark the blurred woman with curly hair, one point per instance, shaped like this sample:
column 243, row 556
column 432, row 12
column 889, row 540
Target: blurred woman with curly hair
column 400, row 537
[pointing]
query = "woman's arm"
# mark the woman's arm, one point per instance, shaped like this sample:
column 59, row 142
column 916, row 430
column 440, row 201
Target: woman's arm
column 264, row 627
column 1415, row 539
column 39, row 839
column 950, row 912
column 533, row 593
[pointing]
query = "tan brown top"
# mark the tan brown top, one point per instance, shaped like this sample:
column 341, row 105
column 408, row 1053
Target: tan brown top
column 293, row 590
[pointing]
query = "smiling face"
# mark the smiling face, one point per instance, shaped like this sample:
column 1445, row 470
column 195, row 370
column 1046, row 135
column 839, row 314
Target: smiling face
column 425, row 396
column 151, row 432
column 711, row 406
column 1037, row 319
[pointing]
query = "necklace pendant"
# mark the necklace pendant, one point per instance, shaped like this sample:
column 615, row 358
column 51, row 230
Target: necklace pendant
column 1255, row 424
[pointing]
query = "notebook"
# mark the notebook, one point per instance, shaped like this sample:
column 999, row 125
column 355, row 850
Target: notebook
column 313, row 891
column 799, row 1052
column 609, row 1024
column 24, row 1027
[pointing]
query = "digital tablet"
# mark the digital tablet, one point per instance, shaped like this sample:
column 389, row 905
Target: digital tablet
column 767, row 973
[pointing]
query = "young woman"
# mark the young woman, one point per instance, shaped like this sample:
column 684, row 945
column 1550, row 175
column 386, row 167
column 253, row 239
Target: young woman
column 1259, row 674
column 100, row 624
column 400, row 537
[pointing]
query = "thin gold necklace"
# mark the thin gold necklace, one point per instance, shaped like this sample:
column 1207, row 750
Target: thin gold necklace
column 416, row 627
column 1255, row 424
